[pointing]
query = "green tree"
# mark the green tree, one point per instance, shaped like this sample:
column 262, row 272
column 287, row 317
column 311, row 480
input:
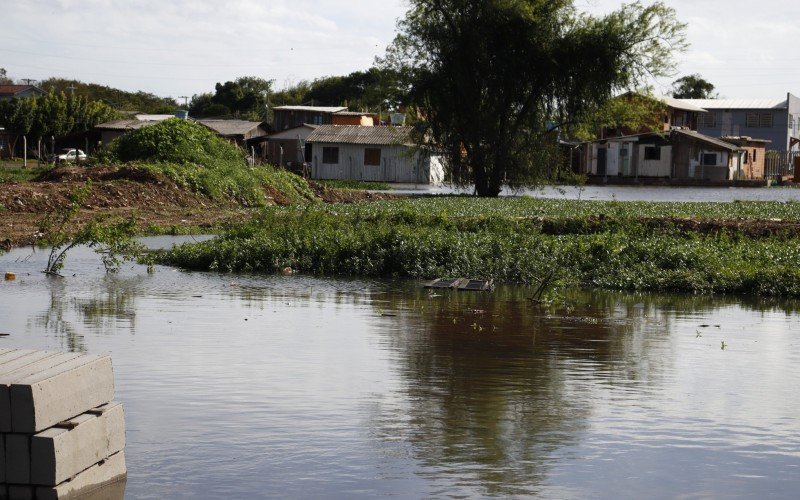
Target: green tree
column 245, row 97
column 693, row 87
column 629, row 113
column 494, row 78
column 4, row 79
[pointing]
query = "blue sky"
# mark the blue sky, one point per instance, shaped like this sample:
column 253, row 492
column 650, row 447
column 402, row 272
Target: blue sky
column 179, row 47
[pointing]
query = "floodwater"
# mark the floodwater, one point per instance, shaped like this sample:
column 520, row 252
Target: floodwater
column 621, row 193
column 241, row 386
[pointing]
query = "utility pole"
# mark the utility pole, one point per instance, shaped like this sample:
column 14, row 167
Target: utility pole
column 72, row 88
column 185, row 100
column 27, row 80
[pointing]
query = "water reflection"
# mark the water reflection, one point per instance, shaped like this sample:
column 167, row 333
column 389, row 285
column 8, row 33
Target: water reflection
column 236, row 385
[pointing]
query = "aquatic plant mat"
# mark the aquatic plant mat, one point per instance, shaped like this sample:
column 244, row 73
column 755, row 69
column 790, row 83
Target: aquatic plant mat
column 740, row 247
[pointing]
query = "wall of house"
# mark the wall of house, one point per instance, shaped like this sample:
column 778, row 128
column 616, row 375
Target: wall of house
column 286, row 119
column 654, row 168
column 794, row 117
column 107, row 136
column 363, row 120
column 397, row 164
column 734, row 123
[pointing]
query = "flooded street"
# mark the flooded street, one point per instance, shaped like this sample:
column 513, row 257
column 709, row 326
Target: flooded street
column 243, row 386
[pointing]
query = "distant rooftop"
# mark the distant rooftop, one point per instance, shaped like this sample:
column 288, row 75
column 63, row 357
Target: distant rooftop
column 737, row 103
column 682, row 104
column 12, row 90
column 357, row 134
column 230, row 127
column 313, row 109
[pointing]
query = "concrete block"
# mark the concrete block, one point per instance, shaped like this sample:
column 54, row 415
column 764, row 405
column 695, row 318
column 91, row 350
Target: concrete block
column 94, row 479
column 18, row 458
column 59, row 453
column 66, row 390
column 20, row 492
column 24, row 366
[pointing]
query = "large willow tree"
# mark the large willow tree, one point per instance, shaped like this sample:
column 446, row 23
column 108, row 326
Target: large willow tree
column 493, row 79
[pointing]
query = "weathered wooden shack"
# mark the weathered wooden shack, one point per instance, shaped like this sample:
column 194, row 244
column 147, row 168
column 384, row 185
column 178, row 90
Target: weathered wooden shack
column 677, row 154
column 385, row 154
column 286, row 117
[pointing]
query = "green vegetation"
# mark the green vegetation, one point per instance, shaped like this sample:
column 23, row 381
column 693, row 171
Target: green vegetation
column 593, row 244
column 19, row 174
column 143, row 102
column 356, row 185
column 111, row 239
column 497, row 77
column 197, row 159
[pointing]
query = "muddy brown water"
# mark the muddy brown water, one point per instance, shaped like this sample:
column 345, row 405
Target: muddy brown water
column 242, row 386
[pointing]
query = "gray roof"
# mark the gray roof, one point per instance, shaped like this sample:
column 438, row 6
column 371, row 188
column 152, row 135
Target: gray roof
column 313, row 109
column 707, row 139
column 682, row 104
column 126, row 124
column 737, row 103
column 357, row 134
column 354, row 113
column 292, row 133
column 230, row 127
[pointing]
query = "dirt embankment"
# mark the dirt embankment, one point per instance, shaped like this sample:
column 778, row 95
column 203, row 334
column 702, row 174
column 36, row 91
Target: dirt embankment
column 127, row 191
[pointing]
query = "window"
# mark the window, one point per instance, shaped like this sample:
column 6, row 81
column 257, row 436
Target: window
column 746, row 158
column 330, row 155
column 765, row 120
column 754, row 155
column 751, row 120
column 709, row 159
column 372, row 156
column 710, row 119
column 652, row 153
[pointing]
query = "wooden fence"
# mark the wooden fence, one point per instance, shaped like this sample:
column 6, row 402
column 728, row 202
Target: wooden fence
column 779, row 163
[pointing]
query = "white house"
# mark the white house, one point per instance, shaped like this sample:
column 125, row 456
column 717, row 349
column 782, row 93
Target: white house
column 385, row 154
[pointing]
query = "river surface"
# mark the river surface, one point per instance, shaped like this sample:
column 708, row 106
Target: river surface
column 620, row 193
column 240, row 386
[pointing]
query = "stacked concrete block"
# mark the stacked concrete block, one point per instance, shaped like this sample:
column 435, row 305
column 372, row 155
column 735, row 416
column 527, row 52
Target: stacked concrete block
column 61, row 433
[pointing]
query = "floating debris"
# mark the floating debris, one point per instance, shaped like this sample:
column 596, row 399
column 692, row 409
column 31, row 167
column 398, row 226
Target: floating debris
column 462, row 284
column 10, row 276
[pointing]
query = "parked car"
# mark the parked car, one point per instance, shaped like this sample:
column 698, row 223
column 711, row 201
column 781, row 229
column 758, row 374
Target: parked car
column 70, row 155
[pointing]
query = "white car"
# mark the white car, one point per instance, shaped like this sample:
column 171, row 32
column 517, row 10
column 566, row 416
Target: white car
column 69, row 155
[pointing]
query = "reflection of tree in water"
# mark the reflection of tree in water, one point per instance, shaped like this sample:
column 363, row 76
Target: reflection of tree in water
column 495, row 386
column 111, row 305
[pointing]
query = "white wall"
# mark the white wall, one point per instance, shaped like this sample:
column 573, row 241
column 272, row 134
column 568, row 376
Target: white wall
column 655, row 168
column 398, row 164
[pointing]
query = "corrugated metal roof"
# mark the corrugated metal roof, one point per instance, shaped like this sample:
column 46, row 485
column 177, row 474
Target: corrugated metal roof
column 126, row 124
column 737, row 103
column 682, row 104
column 353, row 113
column 707, row 139
column 314, row 109
column 230, row 127
column 293, row 132
column 153, row 118
column 357, row 134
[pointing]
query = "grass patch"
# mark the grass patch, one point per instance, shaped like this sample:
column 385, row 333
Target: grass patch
column 514, row 241
column 356, row 185
column 19, row 174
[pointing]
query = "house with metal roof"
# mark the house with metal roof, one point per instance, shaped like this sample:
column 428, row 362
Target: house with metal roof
column 240, row 132
column 286, row 117
column 8, row 92
column 679, row 154
column 776, row 120
column 289, row 148
column 383, row 154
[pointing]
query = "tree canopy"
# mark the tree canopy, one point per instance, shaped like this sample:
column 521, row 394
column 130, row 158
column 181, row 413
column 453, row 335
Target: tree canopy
column 4, row 79
column 245, row 97
column 494, row 79
column 121, row 100
column 693, row 87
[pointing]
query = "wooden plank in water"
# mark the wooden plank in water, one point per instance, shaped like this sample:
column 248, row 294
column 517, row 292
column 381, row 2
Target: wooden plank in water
column 476, row 286
column 445, row 283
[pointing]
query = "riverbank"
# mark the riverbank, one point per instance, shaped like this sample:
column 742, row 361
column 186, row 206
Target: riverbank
column 158, row 203
column 743, row 248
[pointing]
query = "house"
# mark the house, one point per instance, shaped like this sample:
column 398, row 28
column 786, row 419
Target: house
column 289, row 148
column 239, row 132
column 113, row 129
column 354, row 118
column 8, row 92
column 286, row 117
column 777, row 120
column 385, row 154
column 754, row 156
column 678, row 154
column 674, row 114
